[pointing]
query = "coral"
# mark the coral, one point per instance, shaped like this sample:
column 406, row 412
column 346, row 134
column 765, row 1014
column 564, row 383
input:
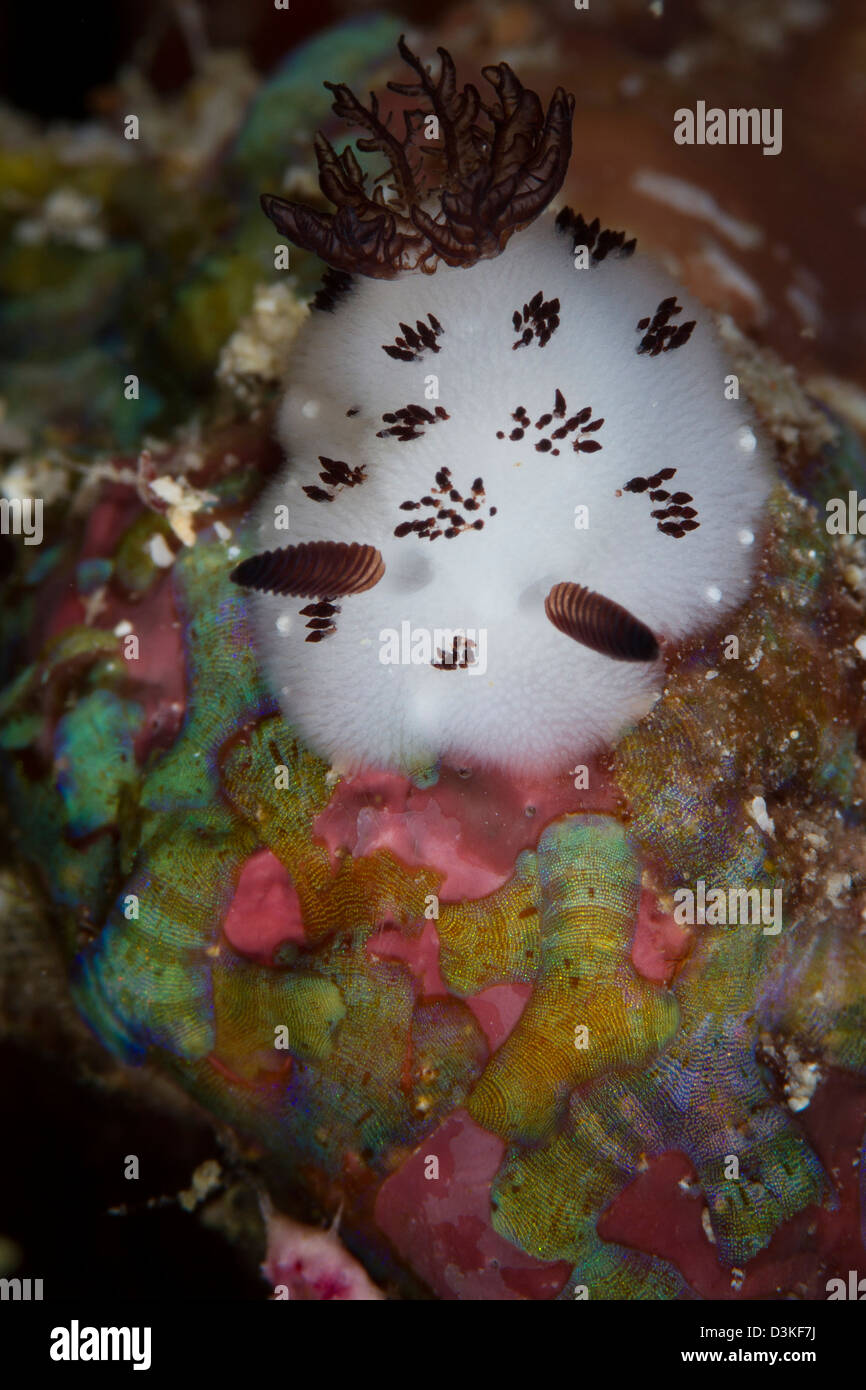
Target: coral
column 461, row 1012
column 586, row 886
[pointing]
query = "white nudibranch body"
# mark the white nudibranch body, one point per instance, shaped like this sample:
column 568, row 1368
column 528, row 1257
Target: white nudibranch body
column 535, row 424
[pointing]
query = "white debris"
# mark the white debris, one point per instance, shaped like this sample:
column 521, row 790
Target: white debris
column 757, row 809
column 755, row 659
column 66, row 216
column 206, row 1179
column 817, row 839
column 707, row 1225
column 801, row 1079
column 160, row 552
column 35, row 476
column 256, row 355
column 837, row 884
column 183, row 503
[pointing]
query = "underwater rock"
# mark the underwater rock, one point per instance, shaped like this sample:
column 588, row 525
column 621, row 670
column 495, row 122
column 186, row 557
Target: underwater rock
column 507, row 1021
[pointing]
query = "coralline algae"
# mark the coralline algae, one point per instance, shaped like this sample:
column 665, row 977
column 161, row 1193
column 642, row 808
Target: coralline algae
column 464, row 1013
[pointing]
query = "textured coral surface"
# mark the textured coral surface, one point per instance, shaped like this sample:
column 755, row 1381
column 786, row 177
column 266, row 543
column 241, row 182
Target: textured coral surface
column 462, row 1015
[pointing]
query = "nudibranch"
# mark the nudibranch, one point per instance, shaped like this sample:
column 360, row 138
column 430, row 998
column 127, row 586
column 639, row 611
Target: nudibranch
column 515, row 474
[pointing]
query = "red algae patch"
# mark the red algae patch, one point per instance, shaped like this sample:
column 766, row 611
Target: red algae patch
column 659, row 944
column 442, row 1226
column 265, row 911
column 498, row 1010
column 468, row 829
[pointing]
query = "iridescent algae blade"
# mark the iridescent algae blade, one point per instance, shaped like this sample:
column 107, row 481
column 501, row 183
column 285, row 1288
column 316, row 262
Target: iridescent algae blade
column 393, row 1063
column 818, row 998
column 753, row 1161
column 777, row 716
column 767, row 705
column 263, row 1016
column 69, row 817
column 93, row 786
column 589, row 1011
column 704, row 1096
column 278, row 787
column 146, row 979
column 86, row 876
column 225, row 693
column 548, row 1201
column 492, row 940
column 394, row 1068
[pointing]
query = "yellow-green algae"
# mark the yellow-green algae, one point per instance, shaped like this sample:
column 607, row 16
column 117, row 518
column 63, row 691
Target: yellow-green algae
column 589, row 1011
